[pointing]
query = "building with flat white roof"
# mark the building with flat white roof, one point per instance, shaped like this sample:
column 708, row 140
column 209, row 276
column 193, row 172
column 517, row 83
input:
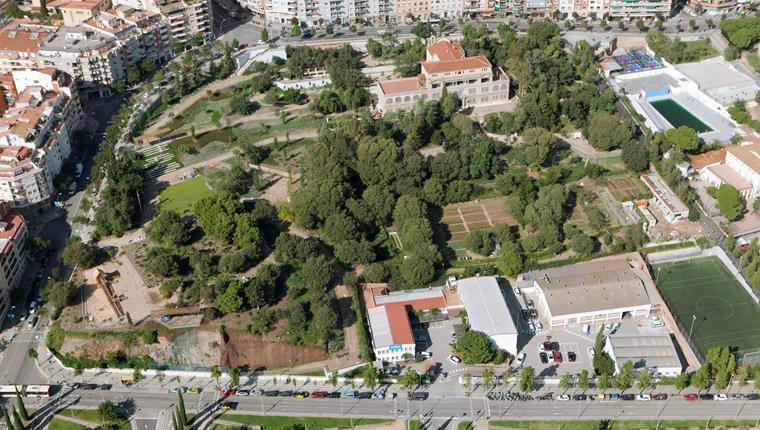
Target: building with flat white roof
column 487, row 311
column 720, row 80
column 665, row 199
column 597, row 291
column 654, row 351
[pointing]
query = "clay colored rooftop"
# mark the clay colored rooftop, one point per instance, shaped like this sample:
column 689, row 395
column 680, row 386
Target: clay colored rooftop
column 444, row 50
column 400, row 86
column 469, row 63
column 19, row 36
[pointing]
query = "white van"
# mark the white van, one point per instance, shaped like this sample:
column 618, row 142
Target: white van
column 79, row 169
column 586, row 329
column 73, row 188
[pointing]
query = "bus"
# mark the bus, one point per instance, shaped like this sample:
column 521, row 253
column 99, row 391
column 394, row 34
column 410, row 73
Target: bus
column 25, row 390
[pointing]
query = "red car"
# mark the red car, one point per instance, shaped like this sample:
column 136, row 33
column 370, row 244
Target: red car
column 690, row 397
column 319, row 394
column 557, row 357
column 547, row 346
column 227, row 392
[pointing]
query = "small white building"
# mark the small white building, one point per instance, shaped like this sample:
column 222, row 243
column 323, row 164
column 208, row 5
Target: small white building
column 672, row 208
column 654, row 351
column 487, row 311
column 391, row 332
column 597, row 291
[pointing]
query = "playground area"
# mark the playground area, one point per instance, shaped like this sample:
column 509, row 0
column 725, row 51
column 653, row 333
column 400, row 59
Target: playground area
column 708, row 301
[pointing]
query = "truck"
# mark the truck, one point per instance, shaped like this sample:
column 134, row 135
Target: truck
column 417, row 395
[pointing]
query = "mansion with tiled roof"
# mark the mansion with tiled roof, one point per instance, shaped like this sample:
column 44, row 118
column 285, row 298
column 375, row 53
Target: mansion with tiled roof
column 473, row 80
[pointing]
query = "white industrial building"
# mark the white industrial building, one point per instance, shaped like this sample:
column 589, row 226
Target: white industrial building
column 672, row 208
column 392, row 337
column 598, row 291
column 653, row 351
column 487, row 310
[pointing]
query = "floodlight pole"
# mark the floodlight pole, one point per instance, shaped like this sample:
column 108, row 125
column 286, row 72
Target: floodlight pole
column 693, row 318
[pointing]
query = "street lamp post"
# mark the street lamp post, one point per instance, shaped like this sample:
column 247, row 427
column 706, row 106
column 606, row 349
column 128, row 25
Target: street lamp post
column 693, row 318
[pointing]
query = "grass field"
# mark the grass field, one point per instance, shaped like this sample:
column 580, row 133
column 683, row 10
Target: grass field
column 268, row 422
column 180, row 197
column 59, row 424
column 616, row 425
column 89, row 415
column 725, row 314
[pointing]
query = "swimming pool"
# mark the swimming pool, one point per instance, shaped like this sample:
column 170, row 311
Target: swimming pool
column 677, row 115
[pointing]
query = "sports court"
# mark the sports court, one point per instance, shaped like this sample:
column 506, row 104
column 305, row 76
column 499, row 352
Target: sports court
column 725, row 314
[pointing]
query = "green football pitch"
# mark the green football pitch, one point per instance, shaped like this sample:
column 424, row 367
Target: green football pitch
column 725, row 314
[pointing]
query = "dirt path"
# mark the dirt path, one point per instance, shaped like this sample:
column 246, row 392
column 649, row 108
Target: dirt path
column 585, row 150
column 186, row 102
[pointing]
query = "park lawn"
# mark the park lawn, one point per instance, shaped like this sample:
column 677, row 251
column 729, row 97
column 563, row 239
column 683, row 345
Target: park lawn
column 91, row 415
column 182, row 196
column 59, row 424
column 268, row 422
column 616, row 424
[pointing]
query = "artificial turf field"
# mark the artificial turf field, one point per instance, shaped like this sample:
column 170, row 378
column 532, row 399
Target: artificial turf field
column 726, row 314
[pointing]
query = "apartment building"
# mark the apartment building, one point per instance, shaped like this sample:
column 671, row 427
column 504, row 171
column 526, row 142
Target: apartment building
column 92, row 58
column 13, row 254
column 76, row 12
column 20, row 41
column 717, row 7
column 639, row 8
column 472, row 80
column 141, row 35
column 35, row 135
column 188, row 18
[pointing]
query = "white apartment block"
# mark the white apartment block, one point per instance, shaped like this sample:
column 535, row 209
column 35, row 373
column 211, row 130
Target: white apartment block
column 35, row 135
column 740, row 168
column 188, row 18
column 13, row 255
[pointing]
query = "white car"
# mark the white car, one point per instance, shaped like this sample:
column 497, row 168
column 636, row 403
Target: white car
column 591, row 352
column 608, row 326
column 454, row 359
column 563, row 397
column 516, row 291
column 656, row 322
column 615, row 327
column 531, row 327
column 520, row 359
column 644, row 397
column 721, row 397
column 539, row 326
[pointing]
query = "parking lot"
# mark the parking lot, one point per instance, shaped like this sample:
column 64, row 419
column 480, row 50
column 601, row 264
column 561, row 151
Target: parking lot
column 437, row 340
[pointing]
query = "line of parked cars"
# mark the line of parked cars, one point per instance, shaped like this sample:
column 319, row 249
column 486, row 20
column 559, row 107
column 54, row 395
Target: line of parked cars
column 643, row 397
column 350, row 394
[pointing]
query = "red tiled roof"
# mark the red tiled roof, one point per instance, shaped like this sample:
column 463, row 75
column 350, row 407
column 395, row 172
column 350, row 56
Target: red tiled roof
column 398, row 323
column 700, row 161
column 477, row 62
column 397, row 86
column 426, row 304
column 444, row 50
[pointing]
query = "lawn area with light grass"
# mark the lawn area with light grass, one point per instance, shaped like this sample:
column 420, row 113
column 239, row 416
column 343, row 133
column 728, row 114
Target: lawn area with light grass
column 617, row 425
column 90, row 415
column 268, row 422
column 59, row 424
column 181, row 196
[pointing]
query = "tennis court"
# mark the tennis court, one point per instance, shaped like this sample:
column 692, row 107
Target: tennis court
column 725, row 314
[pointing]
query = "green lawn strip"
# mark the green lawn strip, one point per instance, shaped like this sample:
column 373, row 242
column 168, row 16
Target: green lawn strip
column 311, row 423
column 415, row 425
column 617, row 424
column 669, row 247
column 180, row 197
column 91, row 415
column 60, row 424
column 465, row 425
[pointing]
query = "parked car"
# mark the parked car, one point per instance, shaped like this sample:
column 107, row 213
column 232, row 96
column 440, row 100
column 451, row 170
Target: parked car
column 516, row 291
column 543, row 357
column 242, row 393
column 333, row 395
column 417, row 395
column 32, row 322
column 520, row 359
column 614, row 396
column 660, row 396
column 271, row 393
column 706, row 397
column 563, row 397
column 224, row 391
column 627, row 397
column 591, row 352
column 736, row 396
column 586, row 329
column 539, row 326
column 364, row 395
column 32, row 307
column 579, row 397
column 286, row 393
column 656, row 322
column 752, row 396
column 89, row 387
column 530, row 304
column 547, row 345
column 229, row 406
column 454, row 359
column 721, row 397
column 319, row 394
column 557, row 357
column 690, row 397
column 104, row 387
column 301, row 394
column 379, row 394
column 571, row 356
column 643, row 397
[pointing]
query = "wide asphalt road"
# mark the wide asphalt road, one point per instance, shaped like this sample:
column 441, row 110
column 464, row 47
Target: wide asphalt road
column 146, row 404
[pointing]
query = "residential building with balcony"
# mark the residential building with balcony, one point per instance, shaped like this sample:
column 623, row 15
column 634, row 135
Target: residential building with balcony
column 13, row 254
column 717, row 7
column 188, row 18
column 474, row 81
column 639, row 8
column 35, row 135
column 141, row 35
column 76, row 12
column 20, row 41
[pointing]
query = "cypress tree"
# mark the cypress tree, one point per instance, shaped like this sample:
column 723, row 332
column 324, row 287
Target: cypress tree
column 20, row 406
column 7, row 417
column 181, row 408
column 17, row 423
column 175, row 424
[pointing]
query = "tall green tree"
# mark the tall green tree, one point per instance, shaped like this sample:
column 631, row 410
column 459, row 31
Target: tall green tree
column 527, row 380
column 370, row 377
column 409, row 379
column 624, row 378
column 181, row 411
column 21, row 407
column 729, row 202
